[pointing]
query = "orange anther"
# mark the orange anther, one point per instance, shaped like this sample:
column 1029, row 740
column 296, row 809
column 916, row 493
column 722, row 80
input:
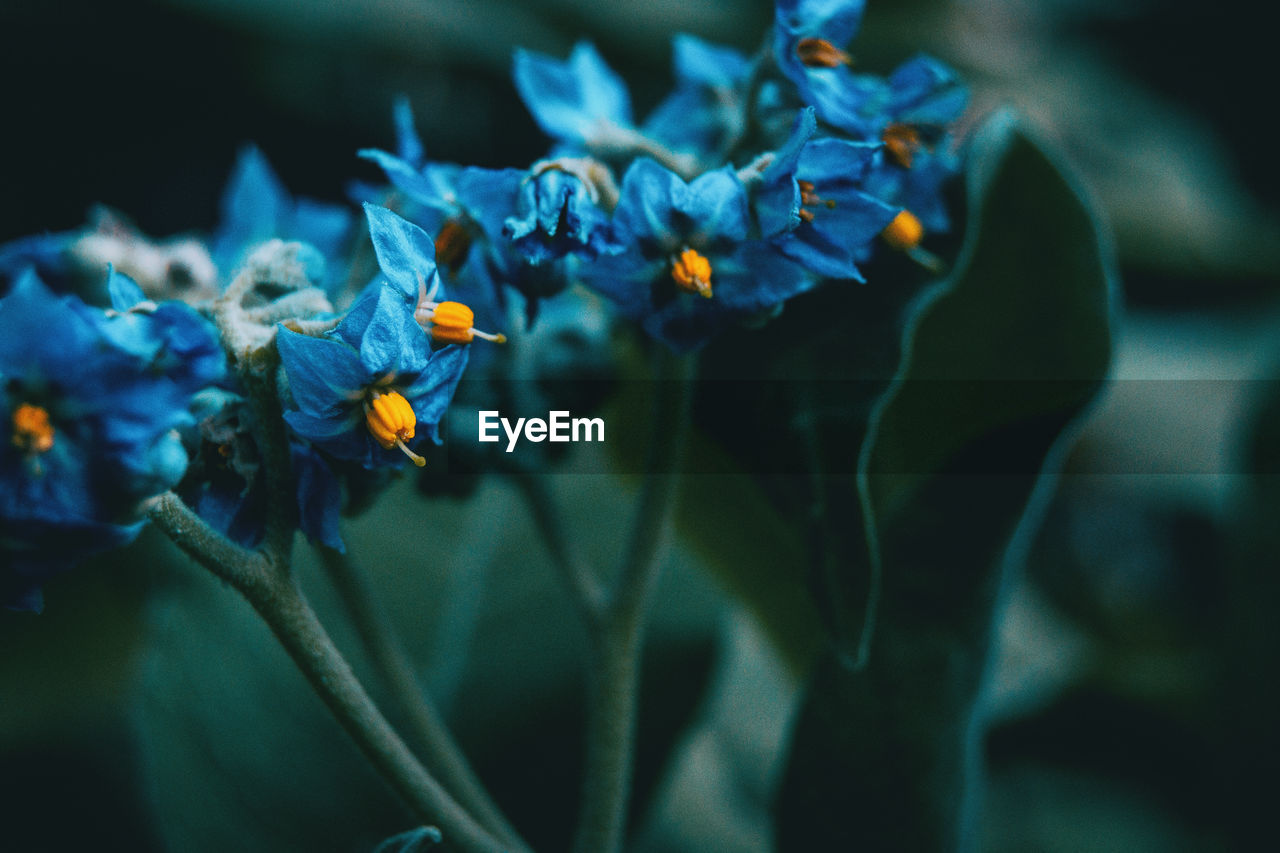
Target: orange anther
column 32, row 431
column 453, row 244
column 901, row 141
column 692, row 273
column 820, row 53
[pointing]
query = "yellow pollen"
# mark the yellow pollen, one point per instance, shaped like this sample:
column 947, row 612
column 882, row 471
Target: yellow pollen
column 692, row 273
column 901, row 141
column 905, row 231
column 391, row 421
column 32, row 432
column 820, row 53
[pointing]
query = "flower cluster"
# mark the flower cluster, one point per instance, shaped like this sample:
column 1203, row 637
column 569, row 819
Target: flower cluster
column 754, row 180
column 91, row 402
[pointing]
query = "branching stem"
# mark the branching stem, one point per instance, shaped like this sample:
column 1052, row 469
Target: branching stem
column 268, row 586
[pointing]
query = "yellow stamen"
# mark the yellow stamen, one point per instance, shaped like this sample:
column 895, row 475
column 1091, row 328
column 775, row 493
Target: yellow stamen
column 451, row 323
column 901, row 141
column 820, row 53
column 453, row 244
column 391, row 421
column 905, row 231
column 32, row 432
column 692, row 273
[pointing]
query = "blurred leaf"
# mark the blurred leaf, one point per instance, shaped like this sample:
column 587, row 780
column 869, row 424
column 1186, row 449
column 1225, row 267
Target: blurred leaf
column 998, row 361
column 719, row 780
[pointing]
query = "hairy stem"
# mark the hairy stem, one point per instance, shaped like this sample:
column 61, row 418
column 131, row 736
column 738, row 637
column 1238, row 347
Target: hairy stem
column 612, row 677
column 238, row 566
column 616, row 639
column 267, row 586
column 285, row 610
column 440, row 751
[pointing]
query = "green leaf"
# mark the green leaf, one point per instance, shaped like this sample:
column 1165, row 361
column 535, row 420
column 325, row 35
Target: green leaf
column 998, row 361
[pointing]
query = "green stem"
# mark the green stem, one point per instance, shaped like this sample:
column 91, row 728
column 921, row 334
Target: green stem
column 238, row 566
column 616, row 639
column 612, row 678
column 440, row 751
column 267, row 585
column 283, row 607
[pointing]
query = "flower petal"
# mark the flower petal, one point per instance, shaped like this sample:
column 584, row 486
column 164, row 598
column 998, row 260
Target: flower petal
column 325, row 375
column 406, row 255
column 569, row 99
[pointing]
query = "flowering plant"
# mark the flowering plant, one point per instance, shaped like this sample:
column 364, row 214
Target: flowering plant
column 286, row 384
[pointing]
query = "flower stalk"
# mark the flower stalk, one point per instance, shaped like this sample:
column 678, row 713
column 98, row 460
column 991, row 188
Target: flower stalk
column 269, row 588
column 616, row 635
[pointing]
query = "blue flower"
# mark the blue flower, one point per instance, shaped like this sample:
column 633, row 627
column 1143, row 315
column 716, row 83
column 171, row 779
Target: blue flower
column 372, row 388
column 171, row 338
column 809, row 37
column 467, row 210
column 688, row 269
column 256, row 207
column 90, row 405
column 705, row 111
column 924, row 98
column 812, row 205
column 924, row 92
column 45, row 253
column 558, row 213
column 580, row 102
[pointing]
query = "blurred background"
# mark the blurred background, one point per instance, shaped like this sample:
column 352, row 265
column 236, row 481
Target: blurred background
column 1133, row 695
